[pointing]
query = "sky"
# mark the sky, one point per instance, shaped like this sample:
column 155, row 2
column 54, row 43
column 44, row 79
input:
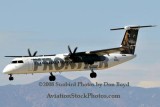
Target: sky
column 50, row 26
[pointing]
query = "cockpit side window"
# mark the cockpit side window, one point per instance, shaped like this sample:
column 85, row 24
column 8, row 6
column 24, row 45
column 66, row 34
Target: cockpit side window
column 14, row 62
column 20, row 61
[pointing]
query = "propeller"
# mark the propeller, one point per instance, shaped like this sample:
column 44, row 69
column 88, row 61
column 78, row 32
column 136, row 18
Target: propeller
column 71, row 54
column 30, row 55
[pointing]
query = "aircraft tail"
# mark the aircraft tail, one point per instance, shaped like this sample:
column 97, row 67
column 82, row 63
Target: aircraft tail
column 130, row 38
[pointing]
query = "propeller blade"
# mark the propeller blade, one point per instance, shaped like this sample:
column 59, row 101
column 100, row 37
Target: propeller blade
column 35, row 53
column 69, row 49
column 75, row 50
column 29, row 53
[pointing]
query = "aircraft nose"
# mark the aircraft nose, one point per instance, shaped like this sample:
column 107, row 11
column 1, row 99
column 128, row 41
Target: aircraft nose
column 7, row 70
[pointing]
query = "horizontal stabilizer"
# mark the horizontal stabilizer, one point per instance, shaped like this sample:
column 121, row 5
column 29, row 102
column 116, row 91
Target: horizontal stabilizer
column 132, row 27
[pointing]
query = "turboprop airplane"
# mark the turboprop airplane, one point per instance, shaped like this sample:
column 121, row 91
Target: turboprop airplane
column 76, row 61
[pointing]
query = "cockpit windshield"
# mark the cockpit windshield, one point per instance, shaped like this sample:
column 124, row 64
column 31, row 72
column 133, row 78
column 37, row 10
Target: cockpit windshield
column 18, row 61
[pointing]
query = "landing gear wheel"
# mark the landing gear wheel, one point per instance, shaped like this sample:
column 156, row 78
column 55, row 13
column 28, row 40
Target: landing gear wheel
column 52, row 78
column 11, row 78
column 93, row 75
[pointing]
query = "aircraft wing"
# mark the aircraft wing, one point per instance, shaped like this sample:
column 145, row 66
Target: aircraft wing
column 103, row 51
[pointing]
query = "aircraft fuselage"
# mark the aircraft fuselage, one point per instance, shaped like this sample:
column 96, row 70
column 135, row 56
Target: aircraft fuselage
column 58, row 63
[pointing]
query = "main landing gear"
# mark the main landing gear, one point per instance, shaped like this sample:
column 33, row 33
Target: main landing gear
column 10, row 77
column 52, row 77
column 93, row 74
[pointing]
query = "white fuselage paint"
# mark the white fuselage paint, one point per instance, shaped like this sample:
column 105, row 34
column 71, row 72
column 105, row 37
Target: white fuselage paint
column 45, row 64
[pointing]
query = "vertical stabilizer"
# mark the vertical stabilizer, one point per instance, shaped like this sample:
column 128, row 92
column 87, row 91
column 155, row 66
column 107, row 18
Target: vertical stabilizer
column 130, row 38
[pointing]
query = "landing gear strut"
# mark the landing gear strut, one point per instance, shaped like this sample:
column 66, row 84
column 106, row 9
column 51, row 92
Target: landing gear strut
column 52, row 77
column 10, row 77
column 93, row 74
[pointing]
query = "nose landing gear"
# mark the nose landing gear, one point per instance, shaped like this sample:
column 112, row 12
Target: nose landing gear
column 52, row 77
column 10, row 77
